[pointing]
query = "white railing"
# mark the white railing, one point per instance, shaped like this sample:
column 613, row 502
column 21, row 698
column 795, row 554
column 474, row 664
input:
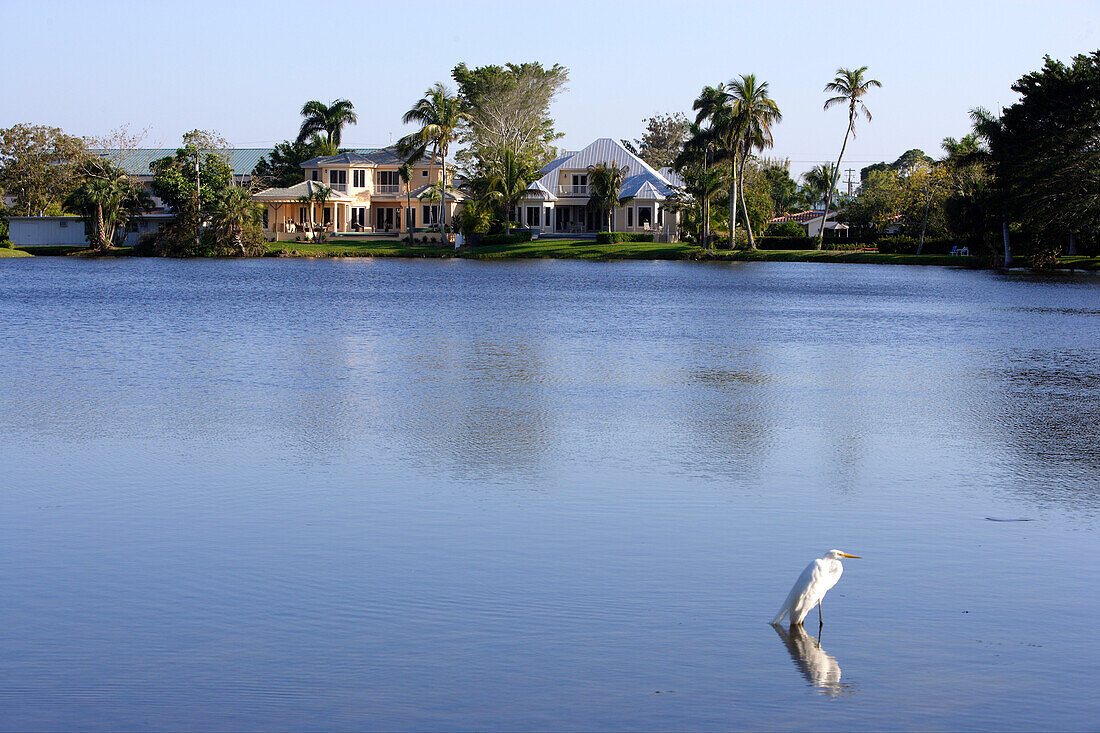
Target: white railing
column 573, row 190
column 341, row 187
column 387, row 188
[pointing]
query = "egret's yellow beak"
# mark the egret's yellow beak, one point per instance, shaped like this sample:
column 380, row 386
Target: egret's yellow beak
column 845, row 554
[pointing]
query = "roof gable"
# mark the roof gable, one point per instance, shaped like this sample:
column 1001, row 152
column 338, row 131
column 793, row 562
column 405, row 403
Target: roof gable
column 606, row 150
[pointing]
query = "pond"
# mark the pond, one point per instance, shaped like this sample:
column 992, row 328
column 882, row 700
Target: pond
column 414, row 495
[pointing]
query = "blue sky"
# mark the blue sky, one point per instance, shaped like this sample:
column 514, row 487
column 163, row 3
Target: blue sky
column 245, row 68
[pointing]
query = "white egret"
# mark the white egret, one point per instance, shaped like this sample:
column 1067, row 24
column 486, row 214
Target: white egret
column 815, row 581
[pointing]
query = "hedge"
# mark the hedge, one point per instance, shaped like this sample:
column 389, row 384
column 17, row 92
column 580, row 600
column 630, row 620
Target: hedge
column 908, row 245
column 769, row 242
column 614, row 237
column 520, row 235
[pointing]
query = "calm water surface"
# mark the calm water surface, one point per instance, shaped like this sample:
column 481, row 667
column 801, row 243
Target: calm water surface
column 554, row 495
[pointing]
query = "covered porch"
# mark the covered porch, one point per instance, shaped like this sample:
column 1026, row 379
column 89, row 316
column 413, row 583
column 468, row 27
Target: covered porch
column 306, row 210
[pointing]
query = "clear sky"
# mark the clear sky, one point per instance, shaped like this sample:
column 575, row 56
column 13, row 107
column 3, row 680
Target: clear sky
column 245, row 68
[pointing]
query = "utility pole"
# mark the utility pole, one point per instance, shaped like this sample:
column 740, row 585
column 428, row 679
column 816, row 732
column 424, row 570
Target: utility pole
column 850, row 171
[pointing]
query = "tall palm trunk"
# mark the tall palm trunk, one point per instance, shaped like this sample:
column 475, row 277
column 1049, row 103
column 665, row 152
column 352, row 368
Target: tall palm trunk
column 733, row 200
column 443, row 192
column 100, row 229
column 832, row 183
column 744, row 206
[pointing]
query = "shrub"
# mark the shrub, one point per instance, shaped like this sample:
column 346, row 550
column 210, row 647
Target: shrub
column 615, row 237
column 908, row 245
column 841, row 245
column 519, row 235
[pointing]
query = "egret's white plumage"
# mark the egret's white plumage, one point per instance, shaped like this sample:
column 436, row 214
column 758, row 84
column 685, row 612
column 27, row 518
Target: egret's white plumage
column 815, row 581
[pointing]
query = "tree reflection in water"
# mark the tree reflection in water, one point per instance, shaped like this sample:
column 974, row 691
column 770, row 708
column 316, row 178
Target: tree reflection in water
column 819, row 668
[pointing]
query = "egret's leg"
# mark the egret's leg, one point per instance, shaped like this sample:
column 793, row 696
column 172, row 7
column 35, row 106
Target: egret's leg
column 820, row 621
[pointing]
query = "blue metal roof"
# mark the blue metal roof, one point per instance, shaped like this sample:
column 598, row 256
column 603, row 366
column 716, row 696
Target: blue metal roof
column 606, row 150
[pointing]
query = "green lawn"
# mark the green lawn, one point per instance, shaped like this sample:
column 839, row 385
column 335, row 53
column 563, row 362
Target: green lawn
column 8, row 252
column 1078, row 262
column 588, row 249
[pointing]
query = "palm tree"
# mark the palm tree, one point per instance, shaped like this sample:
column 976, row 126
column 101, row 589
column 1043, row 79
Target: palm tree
column 850, row 87
column 439, row 113
column 714, row 104
column 605, row 185
column 508, row 183
column 233, row 213
column 405, row 173
column 819, row 181
column 693, row 162
column 757, row 112
column 329, row 120
column 108, row 199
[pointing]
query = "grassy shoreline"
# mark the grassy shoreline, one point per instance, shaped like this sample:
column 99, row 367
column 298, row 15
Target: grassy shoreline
column 582, row 249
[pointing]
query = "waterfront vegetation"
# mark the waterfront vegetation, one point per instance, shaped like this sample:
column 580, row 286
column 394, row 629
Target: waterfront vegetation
column 1019, row 188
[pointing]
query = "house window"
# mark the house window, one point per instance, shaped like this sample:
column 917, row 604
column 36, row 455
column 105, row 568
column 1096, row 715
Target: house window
column 630, row 216
column 315, row 175
column 302, row 215
column 660, row 217
column 335, row 177
column 547, row 217
column 388, row 178
column 64, row 224
column 328, row 214
column 359, row 178
column 359, row 215
column 645, row 216
column 431, row 215
column 424, row 174
column 410, row 216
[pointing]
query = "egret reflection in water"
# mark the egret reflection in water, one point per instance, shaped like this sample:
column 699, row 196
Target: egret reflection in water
column 819, row 668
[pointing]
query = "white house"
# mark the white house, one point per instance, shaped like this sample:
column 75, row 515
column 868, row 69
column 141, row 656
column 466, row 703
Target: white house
column 557, row 203
column 811, row 222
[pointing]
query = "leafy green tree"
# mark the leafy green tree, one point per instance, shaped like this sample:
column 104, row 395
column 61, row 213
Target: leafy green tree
column 284, row 169
column 191, row 183
column 39, row 167
column 329, row 121
column 849, row 87
column 782, row 188
column 605, row 186
column 439, row 114
column 1046, row 152
column 507, row 110
column 663, row 140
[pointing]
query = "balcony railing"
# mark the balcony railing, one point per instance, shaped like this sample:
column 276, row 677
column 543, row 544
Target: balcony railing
column 341, row 187
column 573, row 190
column 387, row 188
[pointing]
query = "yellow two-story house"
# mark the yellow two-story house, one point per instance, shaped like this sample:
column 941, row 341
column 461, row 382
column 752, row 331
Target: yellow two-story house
column 365, row 194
